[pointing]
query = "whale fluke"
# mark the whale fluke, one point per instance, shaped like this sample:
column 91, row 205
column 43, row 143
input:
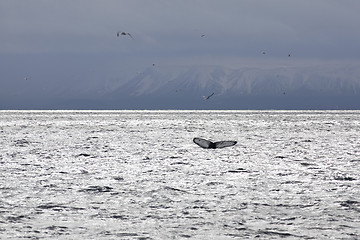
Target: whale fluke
column 208, row 144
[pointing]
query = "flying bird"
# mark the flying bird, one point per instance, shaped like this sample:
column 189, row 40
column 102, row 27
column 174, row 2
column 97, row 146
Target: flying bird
column 26, row 78
column 263, row 52
column 207, row 97
column 208, row 144
column 124, row 34
column 203, row 35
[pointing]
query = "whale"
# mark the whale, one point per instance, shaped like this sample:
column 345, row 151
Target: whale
column 212, row 145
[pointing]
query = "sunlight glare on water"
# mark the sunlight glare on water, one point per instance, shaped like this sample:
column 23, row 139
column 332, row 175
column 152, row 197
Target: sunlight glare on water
column 138, row 175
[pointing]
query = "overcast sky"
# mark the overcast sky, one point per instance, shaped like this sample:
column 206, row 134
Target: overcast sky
column 77, row 38
column 241, row 28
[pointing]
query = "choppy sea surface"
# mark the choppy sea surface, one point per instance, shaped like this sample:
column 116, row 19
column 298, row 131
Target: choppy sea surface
column 138, row 175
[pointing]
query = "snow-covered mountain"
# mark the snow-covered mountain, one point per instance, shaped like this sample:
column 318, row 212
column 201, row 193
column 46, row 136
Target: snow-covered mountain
column 244, row 87
column 183, row 87
column 197, row 80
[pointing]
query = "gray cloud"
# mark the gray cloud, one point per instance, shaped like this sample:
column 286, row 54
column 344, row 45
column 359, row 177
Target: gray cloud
column 90, row 26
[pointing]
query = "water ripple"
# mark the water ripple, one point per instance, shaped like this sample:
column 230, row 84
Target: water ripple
column 137, row 175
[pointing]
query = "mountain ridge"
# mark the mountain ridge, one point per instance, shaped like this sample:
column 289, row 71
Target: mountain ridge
column 183, row 87
column 241, row 82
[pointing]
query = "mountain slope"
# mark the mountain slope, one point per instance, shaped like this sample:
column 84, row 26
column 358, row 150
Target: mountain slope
column 242, row 82
column 183, row 87
column 243, row 88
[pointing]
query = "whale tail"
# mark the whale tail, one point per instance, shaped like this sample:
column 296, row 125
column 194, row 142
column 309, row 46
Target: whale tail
column 223, row 144
column 208, row 144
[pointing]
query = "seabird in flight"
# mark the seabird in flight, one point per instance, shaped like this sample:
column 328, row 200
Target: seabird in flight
column 124, row 34
column 207, row 97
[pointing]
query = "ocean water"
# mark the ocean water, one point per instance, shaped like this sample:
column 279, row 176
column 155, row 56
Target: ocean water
column 138, row 175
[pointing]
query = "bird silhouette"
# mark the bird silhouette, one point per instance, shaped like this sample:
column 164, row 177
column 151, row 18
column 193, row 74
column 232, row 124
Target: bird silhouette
column 207, row 97
column 124, row 34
